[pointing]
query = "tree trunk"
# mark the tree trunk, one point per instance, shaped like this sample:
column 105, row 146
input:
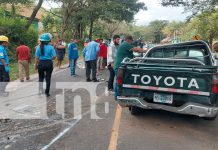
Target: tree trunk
column 78, row 29
column 81, row 31
column 13, row 10
column 211, row 42
column 211, row 37
column 34, row 13
column 91, row 29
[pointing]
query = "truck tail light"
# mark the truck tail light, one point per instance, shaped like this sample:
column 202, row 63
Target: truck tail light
column 120, row 76
column 215, row 83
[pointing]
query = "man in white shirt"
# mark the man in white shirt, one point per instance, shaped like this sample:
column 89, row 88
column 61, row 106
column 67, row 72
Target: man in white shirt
column 215, row 48
column 111, row 55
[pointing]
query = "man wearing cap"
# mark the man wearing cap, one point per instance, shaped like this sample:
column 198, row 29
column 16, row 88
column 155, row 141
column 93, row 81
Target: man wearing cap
column 126, row 49
column 4, row 68
column 90, row 53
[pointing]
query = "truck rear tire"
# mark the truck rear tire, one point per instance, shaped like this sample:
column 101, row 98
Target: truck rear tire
column 134, row 110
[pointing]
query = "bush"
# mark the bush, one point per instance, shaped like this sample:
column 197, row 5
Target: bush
column 14, row 29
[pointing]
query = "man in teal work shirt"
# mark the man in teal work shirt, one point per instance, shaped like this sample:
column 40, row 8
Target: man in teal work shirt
column 125, row 51
column 4, row 68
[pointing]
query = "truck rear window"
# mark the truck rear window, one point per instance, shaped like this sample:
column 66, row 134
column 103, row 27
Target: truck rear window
column 197, row 53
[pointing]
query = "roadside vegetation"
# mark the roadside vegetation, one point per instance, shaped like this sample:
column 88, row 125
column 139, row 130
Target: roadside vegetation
column 102, row 19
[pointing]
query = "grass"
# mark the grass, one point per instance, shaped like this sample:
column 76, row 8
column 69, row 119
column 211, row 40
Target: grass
column 14, row 70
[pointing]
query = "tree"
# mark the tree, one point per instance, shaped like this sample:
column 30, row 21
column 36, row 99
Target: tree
column 86, row 12
column 156, row 28
column 34, row 13
column 195, row 6
column 206, row 25
column 15, row 2
column 119, row 10
column 172, row 28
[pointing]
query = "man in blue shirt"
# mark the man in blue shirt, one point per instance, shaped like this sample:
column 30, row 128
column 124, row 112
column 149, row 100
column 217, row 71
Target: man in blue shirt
column 4, row 68
column 73, row 55
column 90, row 54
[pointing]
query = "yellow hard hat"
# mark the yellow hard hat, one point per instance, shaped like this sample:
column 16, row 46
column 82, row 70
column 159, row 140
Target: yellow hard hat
column 4, row 38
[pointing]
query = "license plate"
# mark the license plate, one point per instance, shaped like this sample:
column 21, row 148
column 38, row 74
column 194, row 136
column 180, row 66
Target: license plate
column 163, row 98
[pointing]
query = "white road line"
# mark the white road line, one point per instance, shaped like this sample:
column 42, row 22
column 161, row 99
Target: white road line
column 60, row 135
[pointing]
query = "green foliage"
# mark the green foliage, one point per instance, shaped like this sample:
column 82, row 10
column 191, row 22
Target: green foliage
column 80, row 15
column 156, row 28
column 195, row 6
column 16, row 31
column 16, row 1
column 204, row 24
column 172, row 28
column 48, row 22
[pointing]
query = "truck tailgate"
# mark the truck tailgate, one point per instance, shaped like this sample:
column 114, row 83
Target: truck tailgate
column 193, row 81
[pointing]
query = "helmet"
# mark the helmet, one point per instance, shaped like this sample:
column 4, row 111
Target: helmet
column 4, row 38
column 45, row 37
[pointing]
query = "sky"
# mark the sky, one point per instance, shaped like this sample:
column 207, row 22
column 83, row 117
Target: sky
column 155, row 11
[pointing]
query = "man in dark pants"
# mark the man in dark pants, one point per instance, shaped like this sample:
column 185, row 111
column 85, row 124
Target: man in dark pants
column 112, row 50
column 90, row 54
column 126, row 49
column 44, row 55
column 4, row 68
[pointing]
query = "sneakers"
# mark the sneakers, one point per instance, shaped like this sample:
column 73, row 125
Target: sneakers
column 74, row 75
column 88, row 80
column 95, row 80
column 47, row 95
column 27, row 79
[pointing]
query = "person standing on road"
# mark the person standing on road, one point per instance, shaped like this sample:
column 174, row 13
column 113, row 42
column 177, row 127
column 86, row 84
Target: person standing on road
column 126, row 49
column 102, row 59
column 86, row 42
column 111, row 55
column 61, row 50
column 24, row 59
column 73, row 55
column 215, row 48
column 4, row 65
column 90, row 53
column 44, row 55
column 100, row 56
column 105, row 51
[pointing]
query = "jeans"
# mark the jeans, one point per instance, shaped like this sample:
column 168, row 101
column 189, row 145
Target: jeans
column 111, row 78
column 4, row 78
column 72, row 66
column 45, row 69
column 91, row 66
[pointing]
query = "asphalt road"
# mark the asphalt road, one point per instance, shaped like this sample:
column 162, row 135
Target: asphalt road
column 78, row 123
